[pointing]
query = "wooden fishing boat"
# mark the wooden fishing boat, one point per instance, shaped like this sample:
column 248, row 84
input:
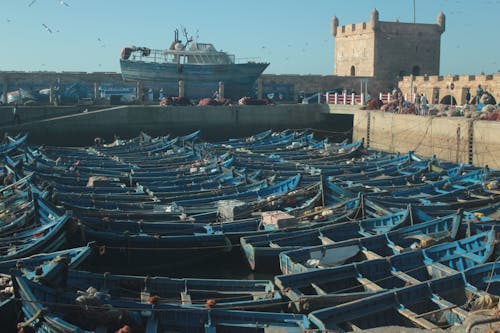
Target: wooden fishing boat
column 9, row 306
column 49, row 268
column 230, row 294
column 89, row 311
column 262, row 251
column 46, row 234
column 373, row 247
column 334, row 286
column 435, row 304
column 12, row 144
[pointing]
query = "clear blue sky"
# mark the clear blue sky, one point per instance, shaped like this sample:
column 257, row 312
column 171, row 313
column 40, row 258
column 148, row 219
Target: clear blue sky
column 294, row 36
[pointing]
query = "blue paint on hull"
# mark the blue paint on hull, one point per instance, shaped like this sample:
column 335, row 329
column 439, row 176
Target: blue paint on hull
column 199, row 80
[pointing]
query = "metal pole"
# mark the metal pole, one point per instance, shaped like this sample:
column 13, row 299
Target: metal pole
column 411, row 89
column 414, row 15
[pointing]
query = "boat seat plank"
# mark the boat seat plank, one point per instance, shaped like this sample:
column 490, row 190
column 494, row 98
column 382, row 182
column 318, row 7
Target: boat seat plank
column 424, row 323
column 371, row 255
column 185, row 298
column 274, row 245
column 369, row 284
column 318, row 289
column 325, row 240
column 443, row 269
column 452, row 307
column 405, row 277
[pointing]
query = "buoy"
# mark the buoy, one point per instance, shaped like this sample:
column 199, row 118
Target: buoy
column 125, row 329
column 210, row 303
column 153, row 299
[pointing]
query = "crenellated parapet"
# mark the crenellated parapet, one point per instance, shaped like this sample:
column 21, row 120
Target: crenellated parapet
column 456, row 85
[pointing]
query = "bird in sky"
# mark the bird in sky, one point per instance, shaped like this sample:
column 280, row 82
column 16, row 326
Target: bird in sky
column 101, row 42
column 32, row 3
column 47, row 28
column 62, row 2
column 8, row 20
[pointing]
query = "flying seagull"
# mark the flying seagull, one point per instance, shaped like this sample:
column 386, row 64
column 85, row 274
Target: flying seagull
column 32, row 3
column 46, row 27
column 62, row 2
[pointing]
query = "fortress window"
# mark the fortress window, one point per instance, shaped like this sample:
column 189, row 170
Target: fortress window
column 353, row 71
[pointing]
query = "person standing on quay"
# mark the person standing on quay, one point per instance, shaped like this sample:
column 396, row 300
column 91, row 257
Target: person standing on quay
column 479, row 93
column 417, row 104
column 423, row 104
column 467, row 96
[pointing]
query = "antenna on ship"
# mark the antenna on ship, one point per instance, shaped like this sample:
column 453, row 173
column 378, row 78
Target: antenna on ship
column 185, row 33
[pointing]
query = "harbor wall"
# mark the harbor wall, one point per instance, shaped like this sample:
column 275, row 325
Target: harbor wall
column 216, row 123
column 455, row 139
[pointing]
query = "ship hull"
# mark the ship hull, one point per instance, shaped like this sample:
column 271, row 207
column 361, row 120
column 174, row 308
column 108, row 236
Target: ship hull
column 199, row 80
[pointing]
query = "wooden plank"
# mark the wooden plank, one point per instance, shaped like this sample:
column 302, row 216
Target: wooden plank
column 424, row 323
column 318, row 289
column 325, row 240
column 442, row 268
column 445, row 305
column 369, row 284
column 405, row 277
column 371, row 255
column 185, row 298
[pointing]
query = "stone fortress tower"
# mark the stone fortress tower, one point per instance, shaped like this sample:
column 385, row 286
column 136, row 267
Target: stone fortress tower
column 387, row 50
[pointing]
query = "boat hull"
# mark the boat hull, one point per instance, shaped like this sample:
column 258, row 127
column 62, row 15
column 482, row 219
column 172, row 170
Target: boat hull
column 199, row 80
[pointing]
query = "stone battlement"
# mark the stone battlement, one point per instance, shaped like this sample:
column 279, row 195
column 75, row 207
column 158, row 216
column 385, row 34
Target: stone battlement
column 439, row 85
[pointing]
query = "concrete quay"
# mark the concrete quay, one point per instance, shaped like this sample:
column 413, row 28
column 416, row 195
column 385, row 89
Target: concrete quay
column 455, row 139
column 80, row 125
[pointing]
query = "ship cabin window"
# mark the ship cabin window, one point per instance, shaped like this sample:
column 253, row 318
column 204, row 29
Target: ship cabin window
column 353, row 71
column 415, row 70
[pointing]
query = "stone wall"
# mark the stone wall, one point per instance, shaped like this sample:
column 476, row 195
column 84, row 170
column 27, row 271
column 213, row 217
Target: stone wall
column 440, row 85
column 216, row 123
column 354, row 50
column 293, row 84
column 405, row 48
column 486, row 145
column 451, row 139
column 387, row 50
column 315, row 83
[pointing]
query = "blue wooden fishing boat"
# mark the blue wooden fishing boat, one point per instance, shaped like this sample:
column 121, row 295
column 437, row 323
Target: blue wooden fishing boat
column 12, row 144
column 373, row 247
column 230, row 294
column 275, row 189
column 45, row 234
column 334, row 286
column 9, row 305
column 262, row 251
column 49, row 268
column 149, row 249
column 435, row 304
column 90, row 311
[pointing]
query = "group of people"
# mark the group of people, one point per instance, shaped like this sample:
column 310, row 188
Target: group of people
column 421, row 104
column 479, row 94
